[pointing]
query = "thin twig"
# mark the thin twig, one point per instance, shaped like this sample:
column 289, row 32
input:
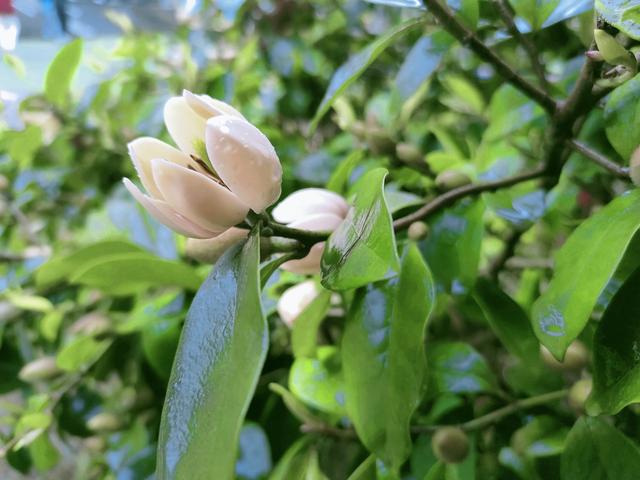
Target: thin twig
column 467, row 37
column 451, row 196
column 600, row 159
column 510, row 244
column 506, row 12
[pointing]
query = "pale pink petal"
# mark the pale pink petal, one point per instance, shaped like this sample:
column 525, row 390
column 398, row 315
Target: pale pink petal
column 309, row 201
column 208, row 107
column 245, row 160
column 309, row 265
column 197, row 197
column 143, row 150
column 162, row 212
column 185, row 126
column 208, row 250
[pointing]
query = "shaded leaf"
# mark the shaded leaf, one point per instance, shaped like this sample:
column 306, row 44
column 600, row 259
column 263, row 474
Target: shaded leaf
column 622, row 14
column 456, row 367
column 622, row 117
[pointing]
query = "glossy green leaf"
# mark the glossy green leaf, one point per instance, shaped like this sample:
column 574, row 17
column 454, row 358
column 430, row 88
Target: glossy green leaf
column 254, row 458
column 61, row 267
column 622, row 117
column 584, row 266
column 366, row 470
column 304, row 334
column 350, row 71
column 129, row 273
column 452, row 248
column 456, row 367
column 294, row 463
column 418, row 66
column 616, row 365
column 61, row 72
column 384, row 357
column 535, row 12
column 319, row 382
column 595, row 450
column 159, row 342
column 508, row 321
column 622, row 14
column 510, row 111
column 219, row 359
column 363, row 247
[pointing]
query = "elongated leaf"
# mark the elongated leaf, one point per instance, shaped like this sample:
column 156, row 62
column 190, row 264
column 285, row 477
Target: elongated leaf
column 508, row 320
column 61, row 72
column 584, row 266
column 622, row 14
column 384, row 357
column 128, row 273
column 81, row 352
column 421, row 61
column 366, row 470
column 455, row 367
column 294, row 463
column 622, row 117
column 363, row 248
column 220, row 355
column 62, row 267
column 616, row 374
column 357, row 64
column 595, row 450
column 304, row 334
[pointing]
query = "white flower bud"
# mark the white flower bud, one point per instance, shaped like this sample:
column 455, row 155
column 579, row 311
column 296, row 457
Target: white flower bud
column 295, row 299
column 42, row 368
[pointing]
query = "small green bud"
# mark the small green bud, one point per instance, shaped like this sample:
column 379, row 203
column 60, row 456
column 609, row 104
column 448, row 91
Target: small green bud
column 40, row 369
column 450, row 179
column 92, row 323
column 379, row 140
column 578, row 394
column 450, row 444
column 634, row 167
column 408, row 152
column 612, row 51
column 4, row 182
column 418, row 231
column 104, row 422
column 95, row 444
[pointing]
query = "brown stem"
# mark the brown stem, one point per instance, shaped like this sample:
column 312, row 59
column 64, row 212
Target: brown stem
column 467, row 37
column 600, row 159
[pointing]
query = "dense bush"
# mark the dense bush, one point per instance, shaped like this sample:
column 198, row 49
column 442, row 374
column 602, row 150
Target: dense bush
column 474, row 316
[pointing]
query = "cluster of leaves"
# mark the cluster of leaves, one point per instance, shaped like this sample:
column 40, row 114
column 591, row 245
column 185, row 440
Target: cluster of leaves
column 410, row 331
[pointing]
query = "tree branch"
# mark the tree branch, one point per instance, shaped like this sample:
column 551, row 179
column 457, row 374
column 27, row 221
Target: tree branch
column 451, row 196
column 467, row 37
column 505, row 11
column 597, row 157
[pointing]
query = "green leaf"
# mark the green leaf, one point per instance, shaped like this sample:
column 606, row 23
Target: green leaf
column 622, row 117
column 616, row 365
column 363, row 248
column 293, row 464
column 350, row 71
column 295, row 405
column 584, row 266
column 129, row 273
column 61, row 72
column 452, row 248
column 595, row 450
column 456, row 367
column 418, row 66
column 508, row 321
column 366, row 470
column 254, row 459
column 384, row 358
column 510, row 111
column 535, row 12
column 219, row 359
column 304, row 334
column 159, row 342
column 622, row 14
column 62, row 267
column 81, row 352
column 319, row 382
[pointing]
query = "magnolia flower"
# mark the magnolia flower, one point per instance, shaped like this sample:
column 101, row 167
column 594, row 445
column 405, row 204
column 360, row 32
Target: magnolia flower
column 312, row 209
column 223, row 167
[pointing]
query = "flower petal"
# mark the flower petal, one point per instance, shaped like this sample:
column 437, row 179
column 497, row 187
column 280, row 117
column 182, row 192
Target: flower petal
column 309, row 201
column 143, row 150
column 162, row 212
column 208, row 250
column 208, row 107
column 185, row 126
column 295, row 299
column 245, row 160
column 197, row 197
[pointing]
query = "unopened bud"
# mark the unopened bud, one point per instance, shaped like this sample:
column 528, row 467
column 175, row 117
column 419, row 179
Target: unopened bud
column 612, row 51
column 595, row 55
column 40, row 369
column 418, row 231
column 408, row 152
column 450, row 179
column 95, row 444
column 4, row 182
column 104, row 422
column 93, row 324
column 575, row 358
column 379, row 140
column 634, row 167
column 450, row 444
column 578, row 394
